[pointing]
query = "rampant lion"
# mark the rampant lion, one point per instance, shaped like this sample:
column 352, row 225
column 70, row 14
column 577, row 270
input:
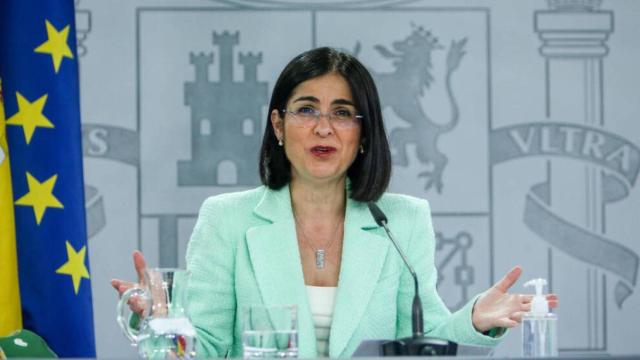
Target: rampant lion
column 402, row 89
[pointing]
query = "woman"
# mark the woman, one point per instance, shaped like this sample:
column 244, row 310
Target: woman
column 307, row 238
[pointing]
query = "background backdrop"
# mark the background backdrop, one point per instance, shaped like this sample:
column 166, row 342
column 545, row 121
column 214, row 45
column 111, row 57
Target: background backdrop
column 517, row 120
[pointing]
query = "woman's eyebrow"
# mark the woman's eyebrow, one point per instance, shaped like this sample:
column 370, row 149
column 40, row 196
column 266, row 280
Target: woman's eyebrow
column 342, row 102
column 307, row 98
column 315, row 100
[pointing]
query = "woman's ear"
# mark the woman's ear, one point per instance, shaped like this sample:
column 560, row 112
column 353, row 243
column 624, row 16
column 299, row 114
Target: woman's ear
column 277, row 123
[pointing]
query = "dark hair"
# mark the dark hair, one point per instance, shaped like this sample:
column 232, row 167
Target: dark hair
column 370, row 172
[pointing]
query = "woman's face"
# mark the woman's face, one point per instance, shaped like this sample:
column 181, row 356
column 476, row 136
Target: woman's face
column 319, row 150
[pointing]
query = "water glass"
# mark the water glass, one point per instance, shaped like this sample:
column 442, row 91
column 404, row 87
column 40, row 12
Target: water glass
column 270, row 332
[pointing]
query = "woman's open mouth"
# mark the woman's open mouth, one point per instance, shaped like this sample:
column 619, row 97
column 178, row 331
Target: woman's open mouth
column 323, row 151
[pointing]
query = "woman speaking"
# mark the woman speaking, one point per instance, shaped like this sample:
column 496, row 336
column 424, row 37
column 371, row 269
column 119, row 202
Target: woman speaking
column 306, row 237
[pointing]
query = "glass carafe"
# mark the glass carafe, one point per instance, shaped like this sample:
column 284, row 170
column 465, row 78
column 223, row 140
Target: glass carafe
column 163, row 329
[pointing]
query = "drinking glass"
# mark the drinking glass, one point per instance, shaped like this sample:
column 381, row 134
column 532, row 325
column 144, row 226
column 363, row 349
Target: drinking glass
column 270, row 332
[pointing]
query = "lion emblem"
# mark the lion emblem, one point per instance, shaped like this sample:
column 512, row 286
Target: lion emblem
column 402, row 89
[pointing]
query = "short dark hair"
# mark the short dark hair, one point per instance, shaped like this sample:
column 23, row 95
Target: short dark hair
column 370, row 172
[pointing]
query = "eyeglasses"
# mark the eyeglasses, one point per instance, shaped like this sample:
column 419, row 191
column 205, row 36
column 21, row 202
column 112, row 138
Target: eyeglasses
column 339, row 118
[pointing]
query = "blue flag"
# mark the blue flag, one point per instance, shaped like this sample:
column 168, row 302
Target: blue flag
column 39, row 77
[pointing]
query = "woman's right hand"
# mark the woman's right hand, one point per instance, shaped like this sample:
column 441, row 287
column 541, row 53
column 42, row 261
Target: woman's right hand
column 136, row 304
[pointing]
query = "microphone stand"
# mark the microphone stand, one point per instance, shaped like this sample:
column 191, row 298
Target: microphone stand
column 417, row 344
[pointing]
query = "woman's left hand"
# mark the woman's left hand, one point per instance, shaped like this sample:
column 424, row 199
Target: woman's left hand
column 497, row 308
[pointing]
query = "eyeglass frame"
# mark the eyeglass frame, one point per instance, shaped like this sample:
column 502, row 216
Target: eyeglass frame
column 317, row 114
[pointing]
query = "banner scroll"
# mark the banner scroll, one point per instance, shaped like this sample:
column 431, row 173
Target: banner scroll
column 620, row 161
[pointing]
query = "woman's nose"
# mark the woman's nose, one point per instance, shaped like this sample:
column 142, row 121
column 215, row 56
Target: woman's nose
column 323, row 126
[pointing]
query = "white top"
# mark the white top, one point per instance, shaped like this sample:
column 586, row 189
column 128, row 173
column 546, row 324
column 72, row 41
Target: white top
column 321, row 301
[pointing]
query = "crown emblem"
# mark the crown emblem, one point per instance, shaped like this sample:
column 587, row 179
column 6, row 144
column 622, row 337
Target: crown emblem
column 423, row 34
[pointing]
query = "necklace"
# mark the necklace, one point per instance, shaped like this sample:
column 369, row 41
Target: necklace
column 321, row 252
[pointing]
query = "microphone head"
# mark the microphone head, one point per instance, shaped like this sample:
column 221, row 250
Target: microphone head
column 377, row 214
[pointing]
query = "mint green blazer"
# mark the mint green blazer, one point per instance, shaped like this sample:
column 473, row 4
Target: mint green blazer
column 243, row 251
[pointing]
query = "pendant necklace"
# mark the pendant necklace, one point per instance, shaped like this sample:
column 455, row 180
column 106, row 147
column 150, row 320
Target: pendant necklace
column 320, row 253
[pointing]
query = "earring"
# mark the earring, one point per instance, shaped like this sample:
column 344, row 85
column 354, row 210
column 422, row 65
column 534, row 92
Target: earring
column 280, row 143
column 361, row 149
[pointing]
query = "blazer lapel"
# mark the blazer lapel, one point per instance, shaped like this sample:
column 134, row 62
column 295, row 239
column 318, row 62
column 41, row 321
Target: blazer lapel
column 273, row 250
column 363, row 255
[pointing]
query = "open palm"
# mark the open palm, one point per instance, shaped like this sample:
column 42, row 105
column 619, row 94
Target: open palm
column 496, row 308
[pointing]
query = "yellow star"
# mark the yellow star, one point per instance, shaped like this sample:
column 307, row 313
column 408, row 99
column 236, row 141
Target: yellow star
column 75, row 266
column 40, row 196
column 30, row 116
column 56, row 45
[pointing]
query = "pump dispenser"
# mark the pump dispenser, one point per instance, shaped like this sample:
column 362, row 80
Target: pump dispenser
column 539, row 337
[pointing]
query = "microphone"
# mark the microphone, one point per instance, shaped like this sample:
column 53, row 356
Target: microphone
column 417, row 323
column 417, row 344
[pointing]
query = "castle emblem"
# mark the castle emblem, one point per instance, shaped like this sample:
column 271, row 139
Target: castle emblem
column 225, row 118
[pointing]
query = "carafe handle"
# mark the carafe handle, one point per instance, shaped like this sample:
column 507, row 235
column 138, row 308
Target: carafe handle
column 124, row 313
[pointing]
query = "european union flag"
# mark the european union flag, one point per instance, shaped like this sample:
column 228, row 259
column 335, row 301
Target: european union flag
column 39, row 77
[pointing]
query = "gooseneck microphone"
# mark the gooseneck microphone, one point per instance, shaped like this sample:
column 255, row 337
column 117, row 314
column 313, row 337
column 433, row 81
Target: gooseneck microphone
column 417, row 323
column 417, row 344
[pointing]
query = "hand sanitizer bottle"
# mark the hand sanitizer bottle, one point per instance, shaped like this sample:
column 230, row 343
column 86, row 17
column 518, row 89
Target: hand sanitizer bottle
column 539, row 336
